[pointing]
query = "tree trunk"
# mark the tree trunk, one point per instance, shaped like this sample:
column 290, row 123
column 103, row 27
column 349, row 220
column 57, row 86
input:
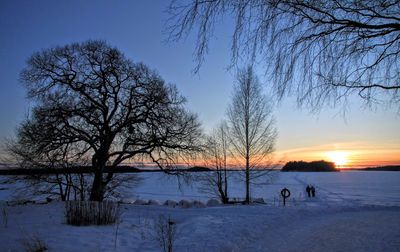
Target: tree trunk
column 81, row 187
column 247, row 125
column 247, row 181
column 226, row 185
column 99, row 161
column 60, row 188
column 97, row 192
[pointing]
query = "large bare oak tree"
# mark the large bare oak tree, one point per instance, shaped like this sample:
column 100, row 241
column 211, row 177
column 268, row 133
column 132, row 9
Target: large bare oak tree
column 90, row 96
column 321, row 50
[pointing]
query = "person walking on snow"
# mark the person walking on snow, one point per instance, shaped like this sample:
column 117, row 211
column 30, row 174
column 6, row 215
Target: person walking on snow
column 308, row 190
column 313, row 191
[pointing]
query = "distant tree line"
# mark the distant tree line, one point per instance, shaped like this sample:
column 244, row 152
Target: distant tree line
column 380, row 168
column 314, row 166
column 65, row 170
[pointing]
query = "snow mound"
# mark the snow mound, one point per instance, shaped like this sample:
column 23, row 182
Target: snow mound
column 126, row 201
column 140, row 202
column 185, row 204
column 213, row 202
column 170, row 203
column 259, row 200
column 198, row 204
column 153, row 202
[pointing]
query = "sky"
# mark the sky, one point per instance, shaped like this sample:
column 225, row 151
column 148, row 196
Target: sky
column 362, row 137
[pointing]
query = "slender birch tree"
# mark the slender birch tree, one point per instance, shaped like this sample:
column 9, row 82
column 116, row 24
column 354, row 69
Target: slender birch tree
column 252, row 127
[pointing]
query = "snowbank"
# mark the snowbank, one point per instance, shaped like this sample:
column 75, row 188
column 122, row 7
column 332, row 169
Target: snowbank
column 224, row 228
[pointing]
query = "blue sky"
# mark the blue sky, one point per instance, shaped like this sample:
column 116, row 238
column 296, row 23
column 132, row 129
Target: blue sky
column 136, row 28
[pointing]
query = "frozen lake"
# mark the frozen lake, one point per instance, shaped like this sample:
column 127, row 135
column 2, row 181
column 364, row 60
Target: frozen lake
column 347, row 188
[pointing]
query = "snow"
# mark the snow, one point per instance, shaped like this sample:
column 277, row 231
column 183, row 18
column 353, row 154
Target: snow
column 346, row 188
column 353, row 211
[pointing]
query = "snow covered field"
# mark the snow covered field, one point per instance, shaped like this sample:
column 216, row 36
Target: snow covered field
column 353, row 211
column 344, row 188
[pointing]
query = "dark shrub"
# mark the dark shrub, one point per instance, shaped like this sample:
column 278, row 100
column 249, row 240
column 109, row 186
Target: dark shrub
column 84, row 213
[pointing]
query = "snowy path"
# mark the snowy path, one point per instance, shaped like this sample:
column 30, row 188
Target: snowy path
column 324, row 195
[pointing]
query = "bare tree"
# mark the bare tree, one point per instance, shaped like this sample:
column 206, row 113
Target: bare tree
column 47, row 173
column 110, row 109
column 321, row 50
column 252, row 129
column 215, row 156
column 57, row 173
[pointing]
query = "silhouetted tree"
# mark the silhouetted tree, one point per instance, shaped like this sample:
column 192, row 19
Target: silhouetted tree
column 322, row 50
column 60, row 172
column 252, row 129
column 215, row 155
column 314, row 166
column 55, row 180
column 110, row 109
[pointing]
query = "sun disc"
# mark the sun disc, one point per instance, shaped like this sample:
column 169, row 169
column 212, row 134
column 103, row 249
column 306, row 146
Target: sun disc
column 338, row 157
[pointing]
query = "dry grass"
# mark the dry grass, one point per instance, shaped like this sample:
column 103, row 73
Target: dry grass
column 165, row 233
column 85, row 213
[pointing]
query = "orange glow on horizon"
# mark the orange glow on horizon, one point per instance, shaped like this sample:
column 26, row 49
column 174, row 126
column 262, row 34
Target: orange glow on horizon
column 346, row 155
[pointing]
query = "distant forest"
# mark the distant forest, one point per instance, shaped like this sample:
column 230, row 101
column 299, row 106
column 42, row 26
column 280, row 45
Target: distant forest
column 297, row 166
column 379, row 168
column 86, row 169
column 314, row 166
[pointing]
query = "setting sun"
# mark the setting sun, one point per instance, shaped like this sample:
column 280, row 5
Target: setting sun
column 338, row 157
